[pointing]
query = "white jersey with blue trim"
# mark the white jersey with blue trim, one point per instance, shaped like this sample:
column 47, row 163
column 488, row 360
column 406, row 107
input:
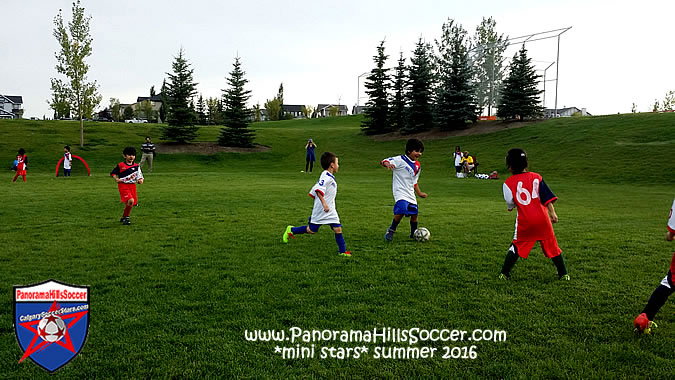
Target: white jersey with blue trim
column 405, row 175
column 671, row 219
column 327, row 186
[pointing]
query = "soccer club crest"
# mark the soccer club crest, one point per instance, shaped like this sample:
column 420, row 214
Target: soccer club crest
column 51, row 321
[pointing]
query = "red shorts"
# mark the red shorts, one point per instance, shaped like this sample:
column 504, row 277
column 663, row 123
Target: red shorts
column 127, row 191
column 549, row 246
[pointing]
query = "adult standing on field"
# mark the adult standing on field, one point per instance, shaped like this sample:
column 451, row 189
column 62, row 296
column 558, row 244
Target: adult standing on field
column 310, row 157
column 148, row 149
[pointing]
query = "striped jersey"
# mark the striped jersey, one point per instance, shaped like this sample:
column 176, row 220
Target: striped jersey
column 404, row 178
column 129, row 174
column 148, row 148
column 530, row 195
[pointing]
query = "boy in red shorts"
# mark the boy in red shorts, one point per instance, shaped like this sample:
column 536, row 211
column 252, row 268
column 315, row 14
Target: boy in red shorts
column 528, row 192
column 127, row 174
column 21, row 165
column 644, row 322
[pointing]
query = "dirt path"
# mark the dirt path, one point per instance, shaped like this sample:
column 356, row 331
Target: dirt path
column 206, row 148
column 480, row 128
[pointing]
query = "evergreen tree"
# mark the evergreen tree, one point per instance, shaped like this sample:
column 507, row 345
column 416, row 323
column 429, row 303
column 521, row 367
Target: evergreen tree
column 201, row 110
column 179, row 92
column 420, row 90
column 280, row 97
column 163, row 106
column 236, row 131
column 520, row 93
column 376, row 118
column 488, row 65
column 398, row 103
column 455, row 93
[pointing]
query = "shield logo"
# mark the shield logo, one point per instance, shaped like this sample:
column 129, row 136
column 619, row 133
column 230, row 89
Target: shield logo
column 51, row 321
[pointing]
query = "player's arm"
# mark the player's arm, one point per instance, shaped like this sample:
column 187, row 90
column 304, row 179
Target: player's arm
column 419, row 192
column 323, row 201
column 670, row 236
column 388, row 164
column 551, row 212
column 508, row 197
column 117, row 178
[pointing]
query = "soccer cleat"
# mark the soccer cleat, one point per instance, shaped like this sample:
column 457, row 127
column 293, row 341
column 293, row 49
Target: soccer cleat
column 287, row 234
column 643, row 325
column 565, row 277
column 502, row 276
column 389, row 236
column 125, row 221
column 348, row 253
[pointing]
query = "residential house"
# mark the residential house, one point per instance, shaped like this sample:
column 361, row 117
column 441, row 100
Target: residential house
column 566, row 112
column 323, row 110
column 10, row 107
column 156, row 101
column 293, row 110
column 357, row 110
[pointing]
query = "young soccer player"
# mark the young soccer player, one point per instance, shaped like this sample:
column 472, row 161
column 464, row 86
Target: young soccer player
column 127, row 174
column 406, row 172
column 528, row 192
column 644, row 322
column 67, row 161
column 324, row 212
column 21, row 165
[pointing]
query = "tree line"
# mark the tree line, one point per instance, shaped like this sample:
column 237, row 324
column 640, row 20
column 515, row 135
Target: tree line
column 448, row 84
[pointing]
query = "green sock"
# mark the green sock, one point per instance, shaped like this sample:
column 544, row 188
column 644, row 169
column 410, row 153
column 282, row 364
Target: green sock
column 560, row 264
column 509, row 262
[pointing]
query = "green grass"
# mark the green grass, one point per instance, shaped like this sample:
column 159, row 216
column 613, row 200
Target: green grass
column 172, row 294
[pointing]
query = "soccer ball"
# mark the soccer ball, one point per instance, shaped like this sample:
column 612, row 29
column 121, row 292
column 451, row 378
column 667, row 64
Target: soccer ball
column 422, row 234
column 51, row 328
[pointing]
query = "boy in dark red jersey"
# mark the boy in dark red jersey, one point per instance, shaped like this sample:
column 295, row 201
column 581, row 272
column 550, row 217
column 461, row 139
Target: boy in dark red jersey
column 644, row 322
column 127, row 174
column 527, row 192
column 21, row 165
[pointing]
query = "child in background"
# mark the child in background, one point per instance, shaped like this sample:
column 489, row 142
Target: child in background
column 21, row 165
column 67, row 161
column 644, row 322
column 127, row 174
column 406, row 172
column 528, row 192
column 324, row 212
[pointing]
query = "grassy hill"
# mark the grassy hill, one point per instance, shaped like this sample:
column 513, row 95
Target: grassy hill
column 172, row 294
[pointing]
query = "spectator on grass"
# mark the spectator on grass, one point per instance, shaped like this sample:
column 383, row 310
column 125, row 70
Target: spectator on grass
column 457, row 155
column 467, row 162
column 310, row 157
column 148, row 149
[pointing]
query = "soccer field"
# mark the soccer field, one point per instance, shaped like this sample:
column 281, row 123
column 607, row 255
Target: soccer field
column 176, row 293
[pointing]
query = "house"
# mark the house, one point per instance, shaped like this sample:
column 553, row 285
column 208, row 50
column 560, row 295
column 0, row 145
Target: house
column 293, row 110
column 566, row 112
column 357, row 110
column 155, row 100
column 323, row 110
column 10, row 107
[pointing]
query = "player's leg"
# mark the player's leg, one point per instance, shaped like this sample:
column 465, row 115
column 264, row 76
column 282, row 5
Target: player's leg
column 15, row 177
column 340, row 240
column 24, row 177
column 143, row 157
column 389, row 235
column 643, row 322
column 150, row 158
column 516, row 250
column 412, row 212
column 553, row 252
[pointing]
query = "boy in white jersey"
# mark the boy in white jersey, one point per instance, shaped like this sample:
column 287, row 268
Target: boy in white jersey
column 644, row 322
column 324, row 212
column 406, row 170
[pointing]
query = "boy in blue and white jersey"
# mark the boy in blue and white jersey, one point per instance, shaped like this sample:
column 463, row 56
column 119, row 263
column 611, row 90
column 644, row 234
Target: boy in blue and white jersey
column 406, row 172
column 324, row 211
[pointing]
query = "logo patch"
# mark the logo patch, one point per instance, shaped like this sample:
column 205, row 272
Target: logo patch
column 51, row 321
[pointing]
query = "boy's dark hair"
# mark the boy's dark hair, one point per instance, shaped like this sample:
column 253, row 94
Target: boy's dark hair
column 327, row 158
column 516, row 159
column 129, row 151
column 67, row 147
column 21, row 152
column 414, row 144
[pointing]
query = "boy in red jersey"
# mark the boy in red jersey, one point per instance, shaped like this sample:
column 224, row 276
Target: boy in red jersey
column 527, row 192
column 644, row 322
column 127, row 174
column 21, row 165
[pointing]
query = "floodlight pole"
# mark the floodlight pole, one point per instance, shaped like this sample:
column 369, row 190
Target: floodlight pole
column 358, row 88
column 549, row 66
column 557, row 60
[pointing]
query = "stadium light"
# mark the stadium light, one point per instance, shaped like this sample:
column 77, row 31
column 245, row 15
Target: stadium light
column 358, row 88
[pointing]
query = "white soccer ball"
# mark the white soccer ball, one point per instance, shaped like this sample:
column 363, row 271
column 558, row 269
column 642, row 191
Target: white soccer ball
column 422, row 234
column 51, row 328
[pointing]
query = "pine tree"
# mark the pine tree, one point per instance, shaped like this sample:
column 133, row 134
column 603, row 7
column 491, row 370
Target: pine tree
column 398, row 103
column 376, row 118
column 236, row 131
column 455, row 104
column 520, row 93
column 201, row 110
column 164, row 105
column 420, row 90
column 179, row 92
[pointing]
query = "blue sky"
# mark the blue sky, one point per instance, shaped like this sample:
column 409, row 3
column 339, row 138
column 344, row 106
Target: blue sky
column 617, row 52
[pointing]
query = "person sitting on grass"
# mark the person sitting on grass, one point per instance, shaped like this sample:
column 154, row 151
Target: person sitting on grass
column 528, row 192
column 467, row 162
column 324, row 212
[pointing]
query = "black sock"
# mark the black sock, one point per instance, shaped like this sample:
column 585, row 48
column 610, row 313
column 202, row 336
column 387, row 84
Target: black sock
column 413, row 227
column 509, row 261
column 560, row 264
column 394, row 224
column 658, row 298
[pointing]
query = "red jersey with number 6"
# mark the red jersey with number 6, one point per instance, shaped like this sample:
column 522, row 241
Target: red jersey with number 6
column 530, row 195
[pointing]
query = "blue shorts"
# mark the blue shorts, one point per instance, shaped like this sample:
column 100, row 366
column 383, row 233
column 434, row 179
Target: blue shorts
column 405, row 208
